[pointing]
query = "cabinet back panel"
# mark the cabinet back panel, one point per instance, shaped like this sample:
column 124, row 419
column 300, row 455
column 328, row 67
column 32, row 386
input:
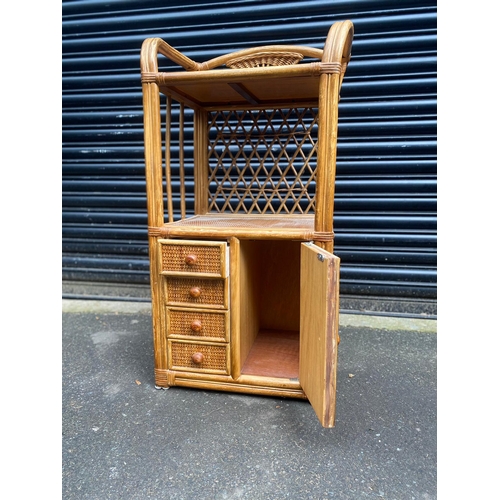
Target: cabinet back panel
column 279, row 289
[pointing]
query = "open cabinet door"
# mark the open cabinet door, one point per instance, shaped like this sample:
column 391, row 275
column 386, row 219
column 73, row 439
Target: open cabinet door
column 319, row 310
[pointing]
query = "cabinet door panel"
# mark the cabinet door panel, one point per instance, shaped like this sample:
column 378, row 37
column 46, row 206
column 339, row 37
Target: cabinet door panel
column 319, row 296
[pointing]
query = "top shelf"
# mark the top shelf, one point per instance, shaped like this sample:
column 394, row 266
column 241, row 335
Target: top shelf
column 264, row 76
column 296, row 84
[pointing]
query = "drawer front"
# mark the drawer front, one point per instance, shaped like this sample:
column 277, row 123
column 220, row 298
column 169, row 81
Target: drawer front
column 194, row 258
column 203, row 324
column 197, row 292
column 198, row 357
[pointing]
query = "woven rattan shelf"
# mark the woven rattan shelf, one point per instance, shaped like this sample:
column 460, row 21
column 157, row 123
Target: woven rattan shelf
column 297, row 227
column 240, row 155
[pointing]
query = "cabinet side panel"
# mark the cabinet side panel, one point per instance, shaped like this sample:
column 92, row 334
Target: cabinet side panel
column 249, row 297
column 234, row 305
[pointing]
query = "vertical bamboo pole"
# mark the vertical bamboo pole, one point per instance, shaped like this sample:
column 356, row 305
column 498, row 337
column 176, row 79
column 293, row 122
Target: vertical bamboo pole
column 200, row 162
column 154, row 192
column 181, row 161
column 168, row 172
column 327, row 156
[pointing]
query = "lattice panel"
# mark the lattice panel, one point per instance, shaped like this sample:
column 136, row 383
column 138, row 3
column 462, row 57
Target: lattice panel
column 262, row 161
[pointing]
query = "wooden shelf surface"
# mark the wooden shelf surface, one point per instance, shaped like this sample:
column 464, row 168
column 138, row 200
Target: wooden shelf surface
column 275, row 353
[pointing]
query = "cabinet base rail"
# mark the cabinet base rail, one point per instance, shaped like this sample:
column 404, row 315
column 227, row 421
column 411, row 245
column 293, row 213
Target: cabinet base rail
column 246, row 384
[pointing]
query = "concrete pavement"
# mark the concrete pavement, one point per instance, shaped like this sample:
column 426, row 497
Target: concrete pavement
column 123, row 439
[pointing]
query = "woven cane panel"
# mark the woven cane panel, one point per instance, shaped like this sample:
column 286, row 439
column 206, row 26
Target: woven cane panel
column 208, row 258
column 265, row 59
column 262, row 161
column 250, row 221
column 214, row 356
column 212, row 291
column 213, row 324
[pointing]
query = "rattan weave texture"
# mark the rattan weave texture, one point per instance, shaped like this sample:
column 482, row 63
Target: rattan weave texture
column 212, row 291
column 213, row 324
column 214, row 356
column 250, row 222
column 208, row 259
column 260, row 59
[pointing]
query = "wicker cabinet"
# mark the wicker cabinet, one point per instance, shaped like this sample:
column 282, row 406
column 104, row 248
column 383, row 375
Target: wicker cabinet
column 240, row 158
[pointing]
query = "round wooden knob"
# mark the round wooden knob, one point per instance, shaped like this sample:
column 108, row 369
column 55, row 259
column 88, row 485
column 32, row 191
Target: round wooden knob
column 190, row 259
column 195, row 292
column 197, row 358
column 196, row 325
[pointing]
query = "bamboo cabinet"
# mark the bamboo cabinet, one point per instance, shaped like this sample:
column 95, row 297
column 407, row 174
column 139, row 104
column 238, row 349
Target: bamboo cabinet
column 240, row 156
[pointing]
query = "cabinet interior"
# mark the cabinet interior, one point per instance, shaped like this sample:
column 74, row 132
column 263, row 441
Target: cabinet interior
column 269, row 308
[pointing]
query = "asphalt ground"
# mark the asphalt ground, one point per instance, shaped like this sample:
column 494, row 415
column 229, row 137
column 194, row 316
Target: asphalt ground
column 125, row 439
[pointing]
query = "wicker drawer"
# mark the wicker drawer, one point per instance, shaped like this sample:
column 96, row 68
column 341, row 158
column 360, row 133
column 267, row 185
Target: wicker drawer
column 197, row 292
column 200, row 323
column 194, row 258
column 198, row 357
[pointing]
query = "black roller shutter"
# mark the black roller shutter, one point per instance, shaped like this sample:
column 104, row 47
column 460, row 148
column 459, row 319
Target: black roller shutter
column 385, row 222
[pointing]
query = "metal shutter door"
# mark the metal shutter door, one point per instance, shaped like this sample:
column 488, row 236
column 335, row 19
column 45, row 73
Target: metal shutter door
column 385, row 206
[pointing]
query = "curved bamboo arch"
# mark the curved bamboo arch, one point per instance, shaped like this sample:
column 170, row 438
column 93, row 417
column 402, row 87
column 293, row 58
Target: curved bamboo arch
column 338, row 42
column 154, row 46
column 150, row 49
column 338, row 45
column 337, row 49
